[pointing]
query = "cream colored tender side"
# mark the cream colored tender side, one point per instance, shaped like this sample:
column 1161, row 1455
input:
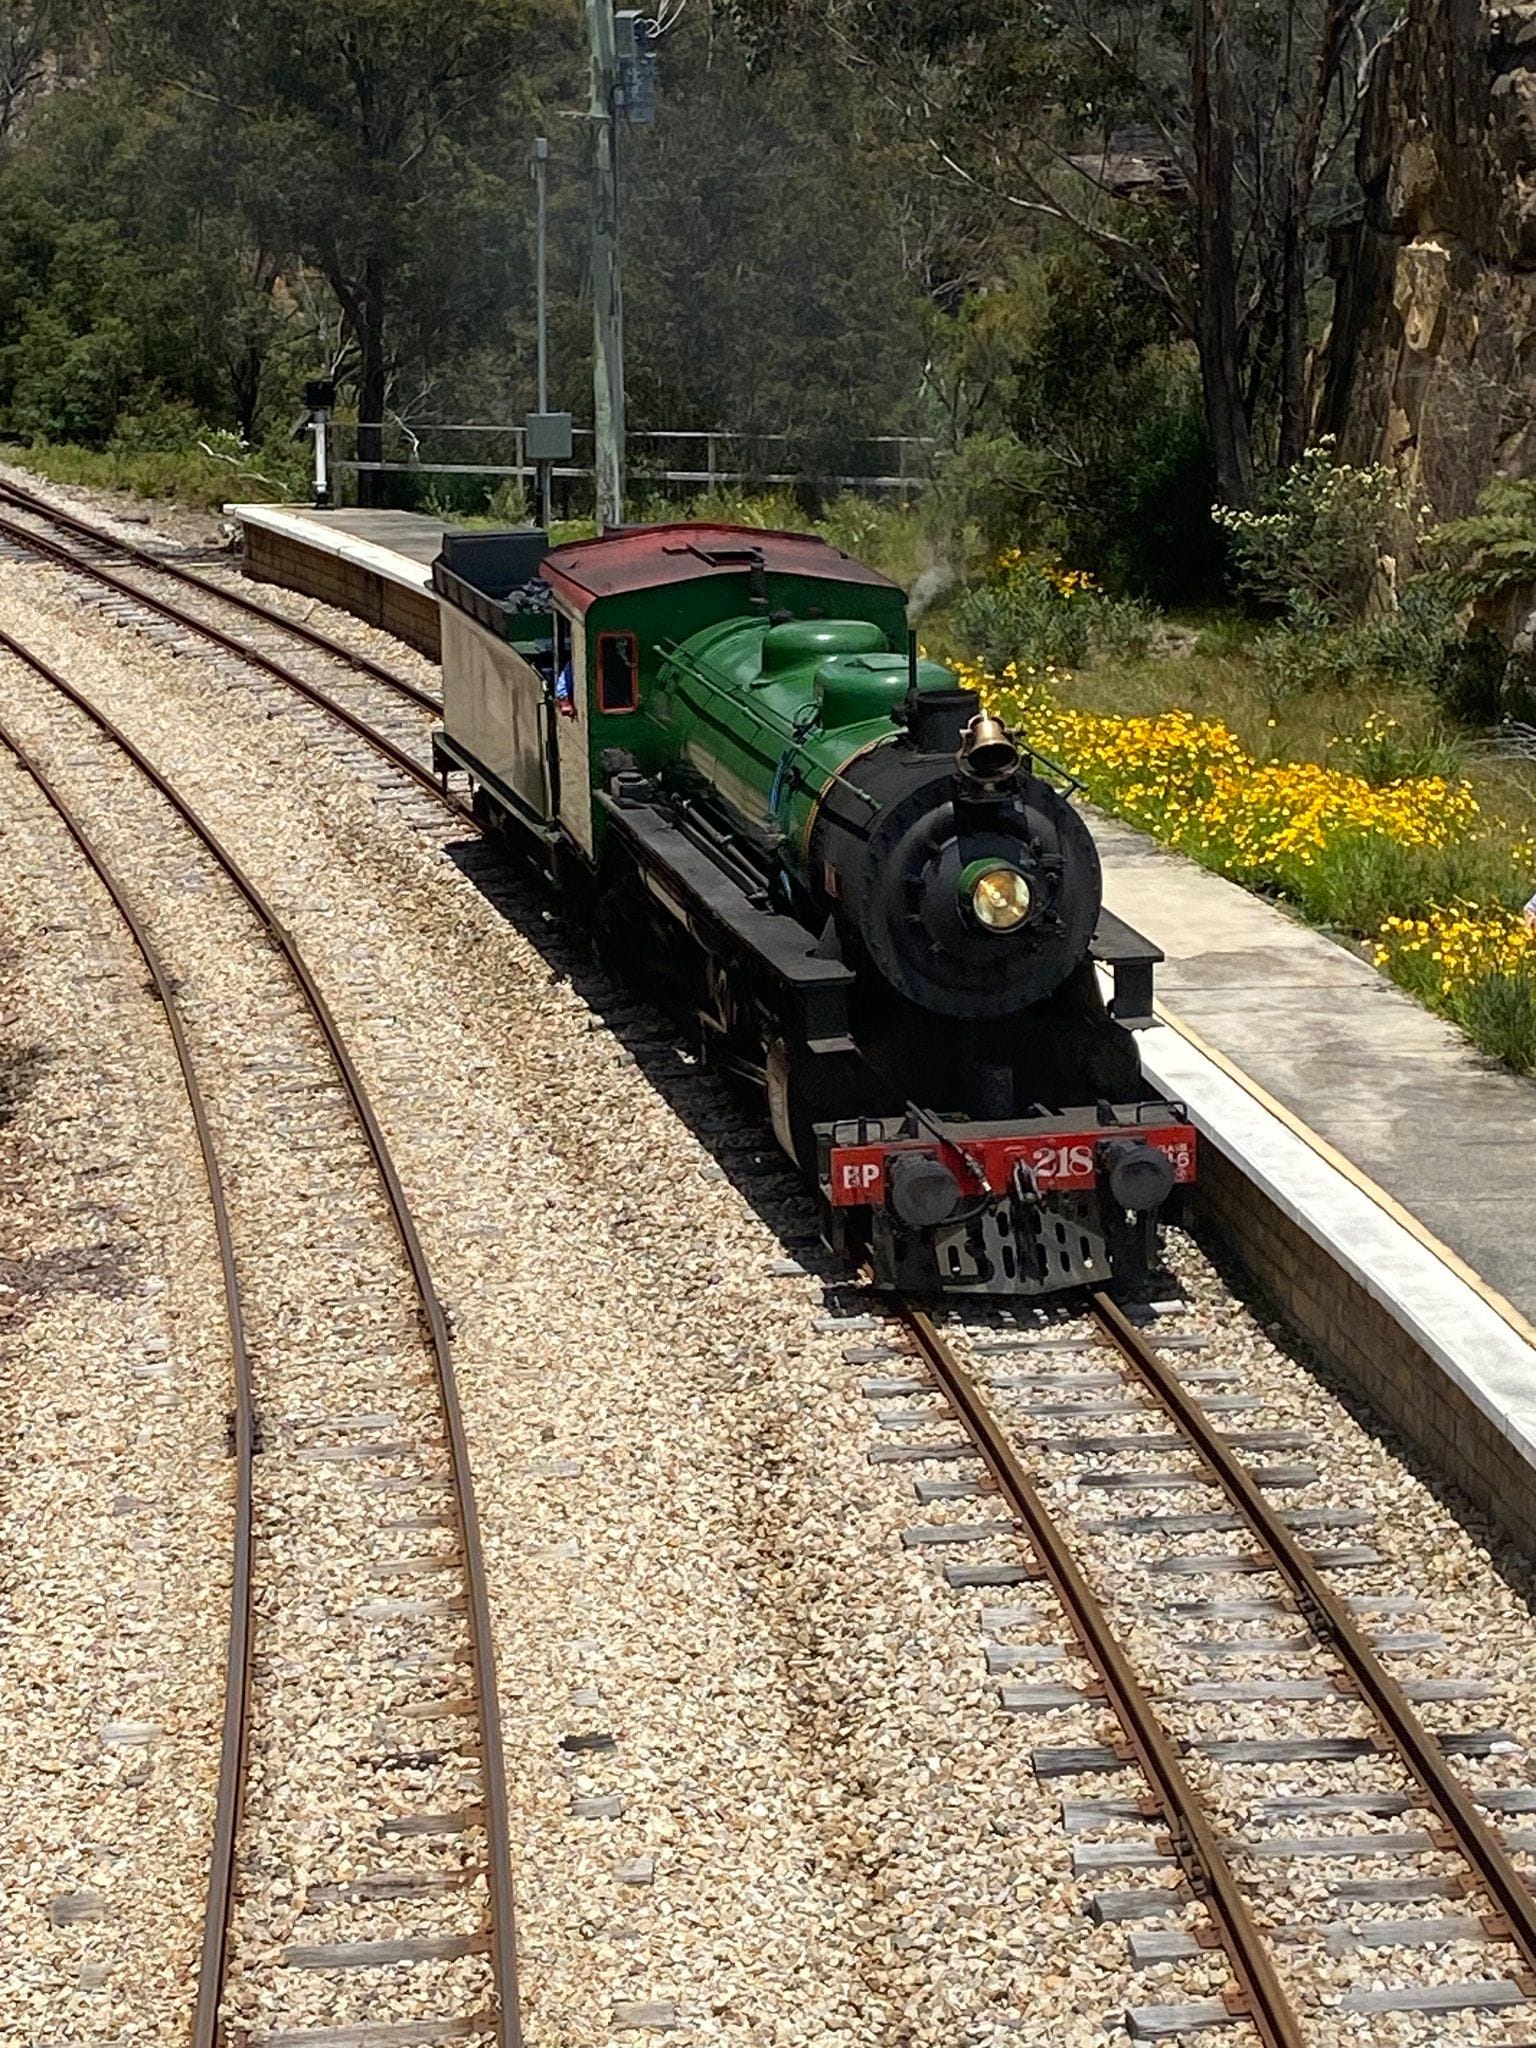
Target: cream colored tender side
column 494, row 709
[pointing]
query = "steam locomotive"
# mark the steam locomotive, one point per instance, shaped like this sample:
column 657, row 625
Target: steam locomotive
column 863, row 892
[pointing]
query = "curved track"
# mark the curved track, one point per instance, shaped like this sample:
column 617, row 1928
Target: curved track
column 160, row 565
column 279, row 671
column 214, row 1968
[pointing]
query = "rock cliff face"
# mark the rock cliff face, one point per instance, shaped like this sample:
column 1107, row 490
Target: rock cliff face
column 1432, row 358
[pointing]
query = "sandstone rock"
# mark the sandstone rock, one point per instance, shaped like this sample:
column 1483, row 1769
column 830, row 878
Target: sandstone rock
column 1430, row 362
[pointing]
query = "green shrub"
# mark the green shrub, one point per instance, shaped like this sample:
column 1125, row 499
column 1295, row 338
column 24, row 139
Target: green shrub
column 165, row 426
column 1290, row 661
column 1026, row 617
column 989, row 490
column 1410, row 641
column 1122, row 627
column 508, row 503
column 1385, row 750
column 192, row 476
column 885, row 534
column 772, row 510
column 1492, row 552
column 1319, row 533
column 1311, row 651
column 1226, row 634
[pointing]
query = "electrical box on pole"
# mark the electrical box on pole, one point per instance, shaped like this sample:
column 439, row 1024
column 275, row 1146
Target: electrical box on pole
column 635, row 45
column 543, row 445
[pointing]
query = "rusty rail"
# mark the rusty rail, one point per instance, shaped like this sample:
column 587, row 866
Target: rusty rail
column 267, row 663
column 1329, row 1618
column 1256, row 1992
column 13, row 494
column 232, row 1758
column 237, row 1670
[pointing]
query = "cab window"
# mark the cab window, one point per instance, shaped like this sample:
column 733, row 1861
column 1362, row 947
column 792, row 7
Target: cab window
column 565, row 672
column 618, row 672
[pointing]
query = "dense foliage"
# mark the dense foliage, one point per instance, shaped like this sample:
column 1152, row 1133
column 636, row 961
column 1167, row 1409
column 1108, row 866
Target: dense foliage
column 191, row 225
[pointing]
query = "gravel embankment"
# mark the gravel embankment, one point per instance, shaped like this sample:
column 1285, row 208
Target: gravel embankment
column 349, row 1597
column 115, row 1498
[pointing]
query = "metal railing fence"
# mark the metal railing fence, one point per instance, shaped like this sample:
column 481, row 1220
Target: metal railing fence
column 910, row 471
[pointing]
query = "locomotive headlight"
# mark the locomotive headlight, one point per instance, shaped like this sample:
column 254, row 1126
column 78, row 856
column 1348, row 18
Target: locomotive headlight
column 1000, row 897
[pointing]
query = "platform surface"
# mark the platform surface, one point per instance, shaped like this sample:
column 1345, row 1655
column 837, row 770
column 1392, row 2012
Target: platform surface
column 411, row 534
column 400, row 545
column 1400, row 1093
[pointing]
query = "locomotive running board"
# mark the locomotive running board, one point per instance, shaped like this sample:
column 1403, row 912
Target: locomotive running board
column 705, row 899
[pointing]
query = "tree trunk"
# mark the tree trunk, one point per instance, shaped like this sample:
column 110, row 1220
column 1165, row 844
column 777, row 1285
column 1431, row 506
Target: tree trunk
column 1301, row 190
column 372, row 381
column 1216, row 334
column 1293, row 333
column 245, row 370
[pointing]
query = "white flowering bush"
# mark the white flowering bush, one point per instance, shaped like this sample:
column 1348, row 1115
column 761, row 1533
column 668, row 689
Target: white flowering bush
column 1317, row 541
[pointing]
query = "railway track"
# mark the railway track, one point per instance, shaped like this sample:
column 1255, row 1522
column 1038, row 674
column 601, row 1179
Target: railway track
column 347, row 1721
column 1212, row 1891
column 374, row 705
column 107, row 548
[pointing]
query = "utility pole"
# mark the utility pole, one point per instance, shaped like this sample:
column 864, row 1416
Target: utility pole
column 540, row 165
column 607, row 290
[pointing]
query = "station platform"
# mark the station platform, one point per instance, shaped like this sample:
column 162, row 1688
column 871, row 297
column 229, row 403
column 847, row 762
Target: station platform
column 1361, row 1158
column 1389, row 1086
column 375, row 564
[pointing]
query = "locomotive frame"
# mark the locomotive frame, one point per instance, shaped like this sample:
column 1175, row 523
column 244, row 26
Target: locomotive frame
column 674, row 801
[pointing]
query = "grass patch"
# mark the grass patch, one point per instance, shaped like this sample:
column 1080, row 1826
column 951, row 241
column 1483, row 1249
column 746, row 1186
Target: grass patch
column 1358, row 883
column 189, row 477
column 1498, row 1012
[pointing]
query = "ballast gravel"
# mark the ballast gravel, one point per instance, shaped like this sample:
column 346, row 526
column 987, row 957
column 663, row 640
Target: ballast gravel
column 115, row 1500
column 762, row 1788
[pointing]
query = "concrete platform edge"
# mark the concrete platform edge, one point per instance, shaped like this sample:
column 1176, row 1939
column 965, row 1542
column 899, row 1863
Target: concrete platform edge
column 330, row 540
column 1449, row 1324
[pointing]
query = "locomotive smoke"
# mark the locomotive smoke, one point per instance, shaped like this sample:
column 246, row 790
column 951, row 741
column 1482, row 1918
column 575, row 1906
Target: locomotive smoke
column 934, row 582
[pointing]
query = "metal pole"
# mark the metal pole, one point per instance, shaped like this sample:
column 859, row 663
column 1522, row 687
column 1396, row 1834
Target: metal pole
column 607, row 297
column 320, row 426
column 541, row 187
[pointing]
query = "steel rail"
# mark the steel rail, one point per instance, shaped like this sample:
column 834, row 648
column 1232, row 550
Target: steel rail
column 237, row 1668
column 1329, row 1618
column 509, row 2032
column 13, row 494
column 269, row 664
column 1257, row 1992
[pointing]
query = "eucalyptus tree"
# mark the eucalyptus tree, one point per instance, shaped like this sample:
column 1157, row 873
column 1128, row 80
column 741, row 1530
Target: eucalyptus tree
column 1203, row 144
column 375, row 140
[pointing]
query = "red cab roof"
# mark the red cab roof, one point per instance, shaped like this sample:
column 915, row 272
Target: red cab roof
column 652, row 556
